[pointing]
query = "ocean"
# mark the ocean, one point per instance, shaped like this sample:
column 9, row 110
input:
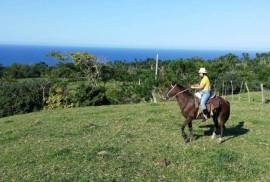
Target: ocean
column 10, row 54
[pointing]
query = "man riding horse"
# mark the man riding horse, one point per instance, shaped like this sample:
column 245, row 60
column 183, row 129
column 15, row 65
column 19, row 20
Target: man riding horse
column 188, row 103
column 205, row 88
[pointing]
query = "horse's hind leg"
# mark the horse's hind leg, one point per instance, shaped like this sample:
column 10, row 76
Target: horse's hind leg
column 222, row 126
column 190, row 131
column 220, row 140
column 216, row 126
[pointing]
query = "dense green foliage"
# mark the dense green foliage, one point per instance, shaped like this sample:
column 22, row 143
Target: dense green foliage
column 83, row 65
column 80, row 80
column 22, row 97
column 24, row 71
column 89, row 95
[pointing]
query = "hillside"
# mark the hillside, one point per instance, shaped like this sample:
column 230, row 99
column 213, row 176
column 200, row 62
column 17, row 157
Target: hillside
column 133, row 142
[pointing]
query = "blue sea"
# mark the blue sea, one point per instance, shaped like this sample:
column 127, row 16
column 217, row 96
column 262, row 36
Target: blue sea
column 31, row 54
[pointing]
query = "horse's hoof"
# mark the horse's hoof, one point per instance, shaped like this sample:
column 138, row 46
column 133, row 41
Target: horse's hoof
column 220, row 141
column 213, row 136
column 187, row 140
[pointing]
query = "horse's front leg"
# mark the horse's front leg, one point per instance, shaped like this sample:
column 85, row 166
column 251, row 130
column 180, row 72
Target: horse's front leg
column 184, row 135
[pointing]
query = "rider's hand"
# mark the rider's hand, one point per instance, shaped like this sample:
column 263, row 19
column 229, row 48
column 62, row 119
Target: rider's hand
column 194, row 86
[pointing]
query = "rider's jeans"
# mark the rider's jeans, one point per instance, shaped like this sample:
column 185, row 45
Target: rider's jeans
column 204, row 99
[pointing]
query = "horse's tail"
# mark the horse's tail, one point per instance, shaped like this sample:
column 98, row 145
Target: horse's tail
column 228, row 111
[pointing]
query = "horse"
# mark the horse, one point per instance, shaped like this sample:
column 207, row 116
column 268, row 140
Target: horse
column 189, row 106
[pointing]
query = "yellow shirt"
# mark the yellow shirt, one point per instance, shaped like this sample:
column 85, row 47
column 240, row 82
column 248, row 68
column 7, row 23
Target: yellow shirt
column 205, row 83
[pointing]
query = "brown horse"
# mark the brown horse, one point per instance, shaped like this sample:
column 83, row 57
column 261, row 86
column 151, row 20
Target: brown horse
column 189, row 105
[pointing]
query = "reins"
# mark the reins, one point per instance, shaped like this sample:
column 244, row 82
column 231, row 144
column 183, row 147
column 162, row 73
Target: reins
column 177, row 93
column 180, row 92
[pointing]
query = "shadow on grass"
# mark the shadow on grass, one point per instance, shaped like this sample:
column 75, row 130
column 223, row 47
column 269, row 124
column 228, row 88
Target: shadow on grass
column 231, row 132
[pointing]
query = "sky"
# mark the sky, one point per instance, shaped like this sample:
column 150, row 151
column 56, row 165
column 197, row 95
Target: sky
column 171, row 24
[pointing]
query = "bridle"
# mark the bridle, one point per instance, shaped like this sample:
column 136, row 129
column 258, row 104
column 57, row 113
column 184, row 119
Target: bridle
column 176, row 93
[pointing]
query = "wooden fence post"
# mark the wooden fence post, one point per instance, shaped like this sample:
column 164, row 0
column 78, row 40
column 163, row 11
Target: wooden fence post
column 248, row 92
column 263, row 98
column 43, row 87
column 215, row 87
column 154, row 96
column 156, row 72
column 225, row 91
column 239, row 94
column 223, row 88
column 232, row 89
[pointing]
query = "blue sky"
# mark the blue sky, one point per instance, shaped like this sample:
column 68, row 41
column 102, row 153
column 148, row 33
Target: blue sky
column 176, row 24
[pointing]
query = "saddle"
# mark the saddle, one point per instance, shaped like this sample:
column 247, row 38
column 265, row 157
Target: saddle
column 212, row 105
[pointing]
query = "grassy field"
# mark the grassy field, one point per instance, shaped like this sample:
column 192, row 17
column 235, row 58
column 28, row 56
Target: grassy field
column 133, row 143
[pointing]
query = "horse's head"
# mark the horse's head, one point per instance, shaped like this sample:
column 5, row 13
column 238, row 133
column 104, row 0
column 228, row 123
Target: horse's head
column 171, row 92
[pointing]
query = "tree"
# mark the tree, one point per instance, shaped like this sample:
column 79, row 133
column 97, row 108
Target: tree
column 67, row 70
column 2, row 69
column 39, row 69
column 87, row 63
column 15, row 71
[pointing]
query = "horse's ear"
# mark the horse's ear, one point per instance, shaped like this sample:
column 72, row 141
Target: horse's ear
column 174, row 83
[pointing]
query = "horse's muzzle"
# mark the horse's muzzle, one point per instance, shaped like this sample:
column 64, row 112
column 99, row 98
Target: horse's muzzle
column 164, row 97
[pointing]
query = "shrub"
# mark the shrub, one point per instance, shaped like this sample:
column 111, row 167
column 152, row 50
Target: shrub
column 59, row 96
column 22, row 97
column 113, row 93
column 90, row 95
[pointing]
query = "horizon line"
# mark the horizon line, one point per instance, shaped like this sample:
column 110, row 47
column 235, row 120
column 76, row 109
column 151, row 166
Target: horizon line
column 140, row 48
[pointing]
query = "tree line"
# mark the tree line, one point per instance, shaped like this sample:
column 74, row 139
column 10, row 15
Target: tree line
column 79, row 79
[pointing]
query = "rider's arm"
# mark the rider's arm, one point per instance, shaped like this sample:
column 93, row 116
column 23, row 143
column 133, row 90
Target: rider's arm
column 197, row 86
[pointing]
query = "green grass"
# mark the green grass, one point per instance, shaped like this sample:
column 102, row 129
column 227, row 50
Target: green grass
column 133, row 143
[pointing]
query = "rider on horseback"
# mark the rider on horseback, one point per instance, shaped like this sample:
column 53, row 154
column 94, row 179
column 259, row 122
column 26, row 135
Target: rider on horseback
column 204, row 86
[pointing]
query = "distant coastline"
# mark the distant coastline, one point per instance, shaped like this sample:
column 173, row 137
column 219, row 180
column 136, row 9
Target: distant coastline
column 29, row 54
